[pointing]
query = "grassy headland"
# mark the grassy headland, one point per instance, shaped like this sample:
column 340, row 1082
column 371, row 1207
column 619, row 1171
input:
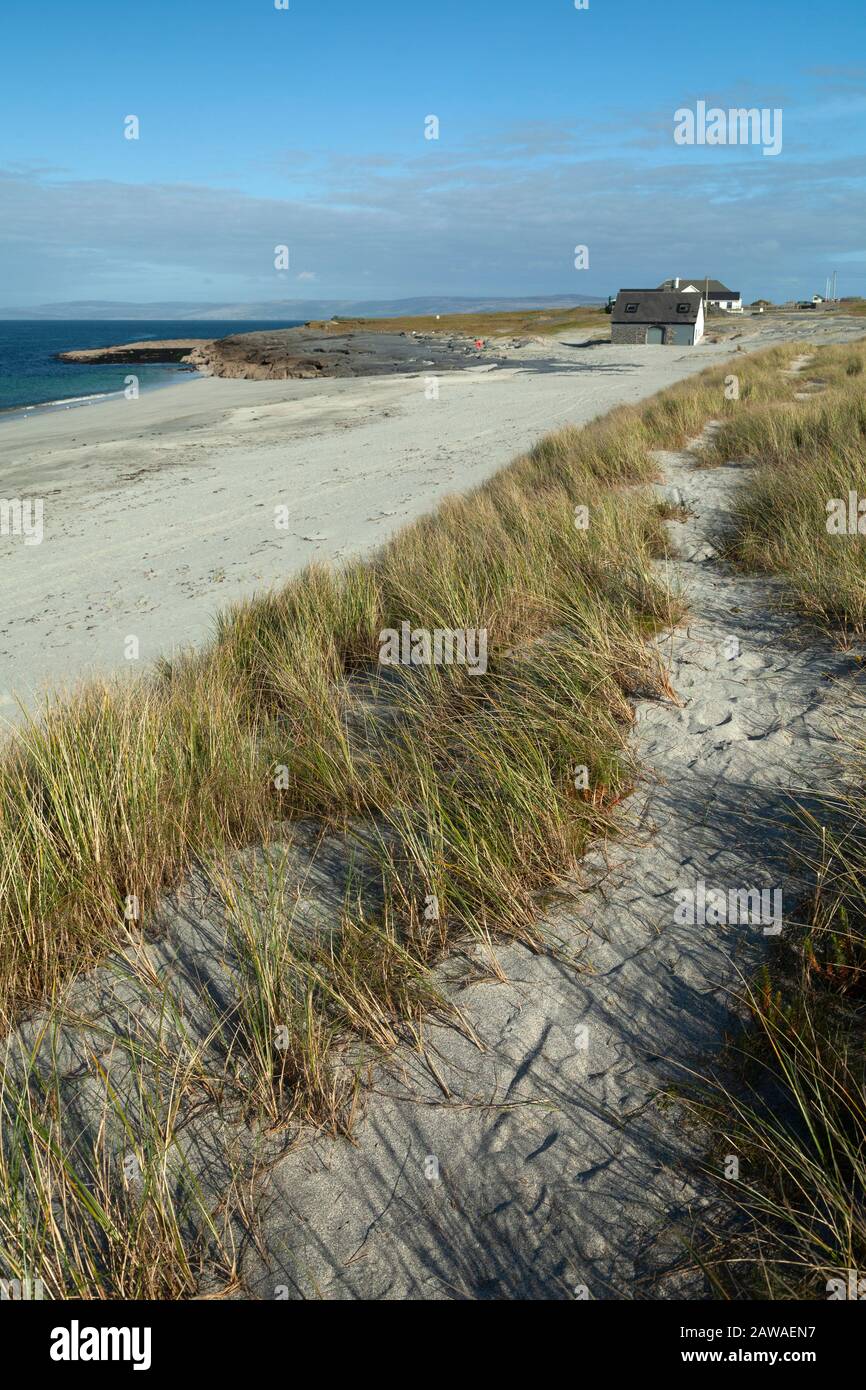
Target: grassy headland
column 515, row 323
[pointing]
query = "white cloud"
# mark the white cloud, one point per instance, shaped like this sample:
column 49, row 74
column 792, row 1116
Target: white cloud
column 501, row 217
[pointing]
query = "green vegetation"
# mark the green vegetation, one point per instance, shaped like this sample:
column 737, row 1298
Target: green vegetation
column 116, row 1215
column 448, row 786
column 116, row 791
column 793, row 1107
column 453, row 785
column 808, row 452
column 515, row 323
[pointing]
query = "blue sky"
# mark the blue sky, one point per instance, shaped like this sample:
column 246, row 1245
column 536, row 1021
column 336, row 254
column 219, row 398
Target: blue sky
column 306, row 128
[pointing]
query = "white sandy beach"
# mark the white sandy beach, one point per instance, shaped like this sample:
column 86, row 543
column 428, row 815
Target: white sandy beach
column 160, row 511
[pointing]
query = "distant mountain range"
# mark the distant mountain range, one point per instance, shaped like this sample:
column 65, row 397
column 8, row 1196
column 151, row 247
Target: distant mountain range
column 294, row 309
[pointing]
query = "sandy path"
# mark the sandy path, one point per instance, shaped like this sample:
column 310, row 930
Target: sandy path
column 160, row 511
column 557, row 1173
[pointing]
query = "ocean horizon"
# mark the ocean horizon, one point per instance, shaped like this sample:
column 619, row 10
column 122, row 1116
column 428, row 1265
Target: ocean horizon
column 29, row 375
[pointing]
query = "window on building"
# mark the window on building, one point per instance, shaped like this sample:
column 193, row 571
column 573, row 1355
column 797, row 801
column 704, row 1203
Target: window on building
column 683, row 308
column 631, row 308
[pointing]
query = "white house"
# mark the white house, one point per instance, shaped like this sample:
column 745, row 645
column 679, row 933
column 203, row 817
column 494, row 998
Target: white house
column 714, row 292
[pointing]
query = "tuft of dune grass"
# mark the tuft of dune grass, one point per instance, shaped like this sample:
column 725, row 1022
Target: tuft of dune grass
column 108, row 796
column 807, row 452
column 793, row 1108
column 791, row 1103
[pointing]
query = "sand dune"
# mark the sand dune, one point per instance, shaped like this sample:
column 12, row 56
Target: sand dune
column 159, row 511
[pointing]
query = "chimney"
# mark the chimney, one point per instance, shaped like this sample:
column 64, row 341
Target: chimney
column 677, row 283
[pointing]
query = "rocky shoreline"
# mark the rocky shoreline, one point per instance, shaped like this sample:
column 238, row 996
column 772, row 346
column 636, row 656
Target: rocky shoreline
column 298, row 353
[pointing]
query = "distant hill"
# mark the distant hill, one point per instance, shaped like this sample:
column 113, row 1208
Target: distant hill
column 294, row 309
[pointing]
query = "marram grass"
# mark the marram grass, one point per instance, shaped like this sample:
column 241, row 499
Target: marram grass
column 464, row 784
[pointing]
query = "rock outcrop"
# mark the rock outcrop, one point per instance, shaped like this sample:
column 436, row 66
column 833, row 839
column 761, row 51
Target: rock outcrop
column 287, row 353
column 164, row 350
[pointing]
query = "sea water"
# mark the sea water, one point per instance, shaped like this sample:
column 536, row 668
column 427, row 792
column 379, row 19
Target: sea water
column 29, row 375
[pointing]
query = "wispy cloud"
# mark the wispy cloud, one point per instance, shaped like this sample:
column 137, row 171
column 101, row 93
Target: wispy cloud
column 501, row 213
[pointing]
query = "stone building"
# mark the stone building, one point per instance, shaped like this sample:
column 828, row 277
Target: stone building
column 674, row 317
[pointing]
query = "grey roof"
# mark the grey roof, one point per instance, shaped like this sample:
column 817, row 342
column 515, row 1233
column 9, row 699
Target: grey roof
column 714, row 288
column 656, row 306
